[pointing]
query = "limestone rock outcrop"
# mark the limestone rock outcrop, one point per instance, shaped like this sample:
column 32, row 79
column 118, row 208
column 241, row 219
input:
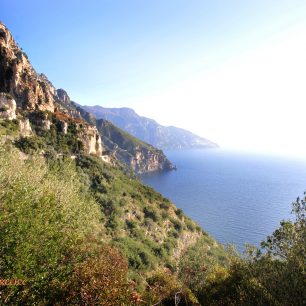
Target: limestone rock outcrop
column 31, row 91
column 140, row 156
column 7, row 107
column 25, row 127
column 91, row 140
column 21, row 87
column 149, row 161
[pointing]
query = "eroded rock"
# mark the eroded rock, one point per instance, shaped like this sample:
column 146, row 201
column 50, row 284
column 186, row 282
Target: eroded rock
column 7, row 107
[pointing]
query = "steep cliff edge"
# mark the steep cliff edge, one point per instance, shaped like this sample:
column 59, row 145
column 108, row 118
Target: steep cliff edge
column 31, row 91
column 31, row 98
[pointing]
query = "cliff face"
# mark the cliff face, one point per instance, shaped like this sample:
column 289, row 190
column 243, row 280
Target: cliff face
column 91, row 140
column 7, row 107
column 23, row 90
column 18, row 78
column 147, row 160
column 44, row 111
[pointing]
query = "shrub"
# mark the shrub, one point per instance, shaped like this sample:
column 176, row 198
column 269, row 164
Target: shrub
column 150, row 212
column 100, row 280
column 30, row 145
column 138, row 254
column 177, row 224
column 164, row 289
column 44, row 222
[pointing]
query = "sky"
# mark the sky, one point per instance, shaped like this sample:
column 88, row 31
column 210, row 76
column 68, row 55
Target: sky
column 233, row 71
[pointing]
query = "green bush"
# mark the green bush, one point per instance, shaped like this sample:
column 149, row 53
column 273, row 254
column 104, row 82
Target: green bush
column 9, row 127
column 30, row 145
column 150, row 212
column 44, row 224
column 178, row 225
column 139, row 256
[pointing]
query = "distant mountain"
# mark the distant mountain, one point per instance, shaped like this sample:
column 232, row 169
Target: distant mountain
column 148, row 130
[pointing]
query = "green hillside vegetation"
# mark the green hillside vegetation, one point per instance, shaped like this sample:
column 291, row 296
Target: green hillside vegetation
column 49, row 233
column 126, row 147
column 50, row 141
column 81, row 232
column 123, row 139
column 65, row 212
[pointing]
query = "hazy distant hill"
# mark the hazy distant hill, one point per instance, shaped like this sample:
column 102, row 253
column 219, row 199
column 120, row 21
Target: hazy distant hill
column 149, row 130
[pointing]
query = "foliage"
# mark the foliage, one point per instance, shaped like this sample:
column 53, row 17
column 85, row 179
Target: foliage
column 272, row 275
column 100, row 280
column 200, row 262
column 132, row 212
column 44, row 225
column 138, row 254
column 164, row 289
column 8, row 127
column 52, row 139
column 57, row 212
column 30, row 145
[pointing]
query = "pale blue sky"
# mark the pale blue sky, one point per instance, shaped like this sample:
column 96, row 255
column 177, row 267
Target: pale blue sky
column 224, row 69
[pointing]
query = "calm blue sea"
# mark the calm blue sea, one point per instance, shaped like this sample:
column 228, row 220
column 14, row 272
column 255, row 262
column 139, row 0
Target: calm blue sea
column 236, row 197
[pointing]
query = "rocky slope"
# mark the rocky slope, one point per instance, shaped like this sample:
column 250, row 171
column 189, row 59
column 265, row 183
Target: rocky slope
column 43, row 110
column 31, row 98
column 37, row 118
column 149, row 130
column 140, row 156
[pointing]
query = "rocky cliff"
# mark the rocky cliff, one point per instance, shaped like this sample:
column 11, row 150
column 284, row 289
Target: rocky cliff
column 7, row 106
column 30, row 90
column 48, row 113
column 24, row 93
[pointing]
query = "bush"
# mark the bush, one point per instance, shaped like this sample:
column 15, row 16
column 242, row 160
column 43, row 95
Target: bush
column 139, row 256
column 30, row 145
column 164, row 289
column 44, row 223
column 177, row 225
column 150, row 212
column 100, row 280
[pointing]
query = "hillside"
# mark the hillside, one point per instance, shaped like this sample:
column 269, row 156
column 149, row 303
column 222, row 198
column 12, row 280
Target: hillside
column 149, row 130
column 68, row 204
column 140, row 156
column 42, row 109
column 77, row 228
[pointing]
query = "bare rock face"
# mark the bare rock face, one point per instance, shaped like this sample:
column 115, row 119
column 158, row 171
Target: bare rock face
column 18, row 78
column 150, row 161
column 65, row 105
column 62, row 95
column 64, row 126
column 46, row 124
column 25, row 127
column 34, row 93
column 91, row 140
column 7, row 107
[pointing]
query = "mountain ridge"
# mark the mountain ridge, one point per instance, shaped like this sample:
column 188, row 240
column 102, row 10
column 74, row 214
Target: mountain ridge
column 149, row 130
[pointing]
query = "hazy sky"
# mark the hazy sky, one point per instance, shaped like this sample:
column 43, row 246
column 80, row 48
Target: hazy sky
column 232, row 71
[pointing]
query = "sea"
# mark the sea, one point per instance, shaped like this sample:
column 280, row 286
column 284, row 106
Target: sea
column 236, row 197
